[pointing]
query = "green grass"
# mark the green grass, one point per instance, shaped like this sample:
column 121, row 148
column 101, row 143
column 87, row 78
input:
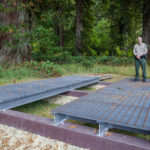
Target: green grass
column 18, row 75
column 101, row 69
column 146, row 137
column 87, row 89
column 21, row 73
column 39, row 108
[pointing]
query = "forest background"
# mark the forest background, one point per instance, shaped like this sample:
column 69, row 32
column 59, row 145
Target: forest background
column 66, row 31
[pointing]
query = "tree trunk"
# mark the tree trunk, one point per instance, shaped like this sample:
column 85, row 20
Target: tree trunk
column 15, row 17
column 61, row 27
column 79, row 25
column 146, row 23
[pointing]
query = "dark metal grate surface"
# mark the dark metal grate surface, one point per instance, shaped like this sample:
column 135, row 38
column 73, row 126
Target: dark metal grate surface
column 124, row 105
column 19, row 94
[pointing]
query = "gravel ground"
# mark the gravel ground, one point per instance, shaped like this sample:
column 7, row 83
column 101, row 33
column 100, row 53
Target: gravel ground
column 62, row 99
column 97, row 86
column 14, row 139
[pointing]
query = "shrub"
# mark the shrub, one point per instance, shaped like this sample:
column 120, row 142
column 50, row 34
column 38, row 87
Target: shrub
column 46, row 67
column 62, row 57
column 103, row 60
column 88, row 63
column 1, row 72
column 113, row 60
column 43, row 42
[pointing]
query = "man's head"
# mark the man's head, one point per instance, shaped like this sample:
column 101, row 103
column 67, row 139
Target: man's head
column 139, row 39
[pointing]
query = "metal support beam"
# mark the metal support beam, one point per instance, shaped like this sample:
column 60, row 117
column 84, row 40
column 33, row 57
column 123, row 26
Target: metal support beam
column 102, row 130
column 104, row 77
column 59, row 119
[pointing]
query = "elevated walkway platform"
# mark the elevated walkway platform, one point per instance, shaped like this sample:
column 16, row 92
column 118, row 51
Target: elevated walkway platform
column 19, row 94
column 124, row 105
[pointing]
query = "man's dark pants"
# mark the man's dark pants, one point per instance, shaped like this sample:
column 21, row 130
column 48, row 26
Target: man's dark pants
column 140, row 62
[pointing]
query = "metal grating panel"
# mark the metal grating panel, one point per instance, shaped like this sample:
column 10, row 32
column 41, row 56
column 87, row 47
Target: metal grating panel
column 23, row 93
column 123, row 105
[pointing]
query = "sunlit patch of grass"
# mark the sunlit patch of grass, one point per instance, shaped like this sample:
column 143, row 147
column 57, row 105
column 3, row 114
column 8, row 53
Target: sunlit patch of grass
column 101, row 69
column 87, row 89
column 19, row 75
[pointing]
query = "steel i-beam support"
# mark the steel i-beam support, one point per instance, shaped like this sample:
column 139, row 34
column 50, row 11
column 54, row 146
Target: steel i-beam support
column 59, row 119
column 102, row 130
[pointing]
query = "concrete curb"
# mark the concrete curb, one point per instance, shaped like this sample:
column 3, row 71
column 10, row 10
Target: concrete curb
column 77, row 135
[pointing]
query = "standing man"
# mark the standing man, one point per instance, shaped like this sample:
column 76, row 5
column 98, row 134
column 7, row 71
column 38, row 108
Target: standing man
column 140, row 55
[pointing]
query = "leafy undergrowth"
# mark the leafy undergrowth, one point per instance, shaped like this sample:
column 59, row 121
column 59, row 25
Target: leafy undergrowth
column 28, row 71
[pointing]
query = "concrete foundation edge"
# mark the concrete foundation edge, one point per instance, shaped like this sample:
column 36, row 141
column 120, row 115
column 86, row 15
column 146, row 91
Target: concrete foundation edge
column 77, row 135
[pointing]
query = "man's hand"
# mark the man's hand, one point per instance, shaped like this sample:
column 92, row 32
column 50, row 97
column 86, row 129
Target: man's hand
column 138, row 57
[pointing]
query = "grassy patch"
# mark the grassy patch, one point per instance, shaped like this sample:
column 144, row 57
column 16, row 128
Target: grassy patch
column 21, row 73
column 101, row 69
column 146, row 137
column 39, row 108
column 15, row 75
column 87, row 88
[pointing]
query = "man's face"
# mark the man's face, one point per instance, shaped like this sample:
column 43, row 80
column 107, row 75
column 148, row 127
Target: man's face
column 139, row 40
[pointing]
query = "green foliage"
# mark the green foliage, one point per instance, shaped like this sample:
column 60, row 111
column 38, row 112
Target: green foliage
column 62, row 57
column 126, row 53
column 47, row 67
column 109, row 29
column 125, row 19
column 18, row 73
column 90, row 61
column 43, row 42
column 100, row 39
column 88, row 25
column 117, row 61
column 1, row 72
column 2, row 8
